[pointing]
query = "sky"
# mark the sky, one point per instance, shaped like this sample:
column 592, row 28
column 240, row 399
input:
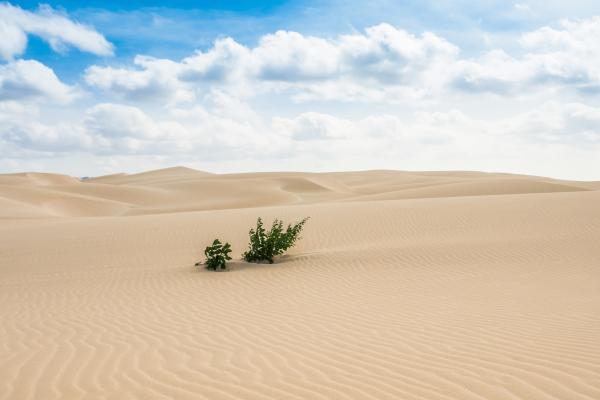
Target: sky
column 236, row 86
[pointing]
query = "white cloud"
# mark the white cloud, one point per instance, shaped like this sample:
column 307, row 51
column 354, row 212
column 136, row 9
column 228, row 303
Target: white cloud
column 163, row 79
column 209, row 135
column 569, row 54
column 53, row 27
column 24, row 134
column 383, row 64
column 117, row 129
column 115, row 121
column 155, row 80
column 226, row 61
column 523, row 7
column 32, row 80
column 313, row 126
column 382, row 98
column 566, row 57
column 383, row 61
column 571, row 123
column 394, row 56
column 292, row 57
column 14, row 40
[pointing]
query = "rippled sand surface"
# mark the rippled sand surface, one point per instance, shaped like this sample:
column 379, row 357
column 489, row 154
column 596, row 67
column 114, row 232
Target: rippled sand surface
column 406, row 285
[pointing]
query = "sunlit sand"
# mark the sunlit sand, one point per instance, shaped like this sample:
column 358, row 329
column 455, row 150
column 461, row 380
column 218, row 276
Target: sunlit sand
column 405, row 285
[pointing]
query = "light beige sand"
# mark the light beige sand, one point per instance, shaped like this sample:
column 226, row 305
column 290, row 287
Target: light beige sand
column 405, row 286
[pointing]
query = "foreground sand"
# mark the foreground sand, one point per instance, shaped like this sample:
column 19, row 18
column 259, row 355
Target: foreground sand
column 405, row 286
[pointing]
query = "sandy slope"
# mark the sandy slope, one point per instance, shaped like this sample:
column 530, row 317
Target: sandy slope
column 406, row 286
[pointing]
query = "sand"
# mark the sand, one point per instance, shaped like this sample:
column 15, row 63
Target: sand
column 406, row 285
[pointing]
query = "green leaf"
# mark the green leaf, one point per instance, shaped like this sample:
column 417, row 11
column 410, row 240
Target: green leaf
column 265, row 245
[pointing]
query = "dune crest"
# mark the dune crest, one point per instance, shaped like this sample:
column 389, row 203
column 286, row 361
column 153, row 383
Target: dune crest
column 183, row 189
column 406, row 285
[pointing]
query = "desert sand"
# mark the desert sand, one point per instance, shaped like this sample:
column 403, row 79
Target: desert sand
column 406, row 285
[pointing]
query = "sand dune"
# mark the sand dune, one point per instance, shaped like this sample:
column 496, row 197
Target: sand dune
column 406, row 285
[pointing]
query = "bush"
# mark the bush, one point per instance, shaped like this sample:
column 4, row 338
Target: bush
column 217, row 255
column 266, row 245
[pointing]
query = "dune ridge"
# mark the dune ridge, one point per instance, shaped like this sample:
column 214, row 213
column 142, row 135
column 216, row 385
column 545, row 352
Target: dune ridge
column 183, row 189
column 406, row 285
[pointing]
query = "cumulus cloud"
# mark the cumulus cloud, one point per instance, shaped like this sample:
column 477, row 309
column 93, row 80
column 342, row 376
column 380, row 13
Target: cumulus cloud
column 56, row 29
column 111, row 125
column 283, row 102
column 226, row 61
column 32, row 80
column 313, row 126
column 566, row 56
column 572, row 123
column 118, row 129
column 163, row 79
column 155, row 79
column 23, row 133
column 394, row 56
column 382, row 64
column 291, row 57
column 383, row 59
column 115, row 120
column 314, row 140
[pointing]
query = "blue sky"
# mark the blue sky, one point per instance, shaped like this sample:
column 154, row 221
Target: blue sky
column 176, row 30
column 328, row 85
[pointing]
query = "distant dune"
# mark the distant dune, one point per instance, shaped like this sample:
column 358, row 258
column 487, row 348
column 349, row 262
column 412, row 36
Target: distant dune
column 406, row 285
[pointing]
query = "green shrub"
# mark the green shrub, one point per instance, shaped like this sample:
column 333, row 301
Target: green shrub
column 264, row 245
column 217, row 255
